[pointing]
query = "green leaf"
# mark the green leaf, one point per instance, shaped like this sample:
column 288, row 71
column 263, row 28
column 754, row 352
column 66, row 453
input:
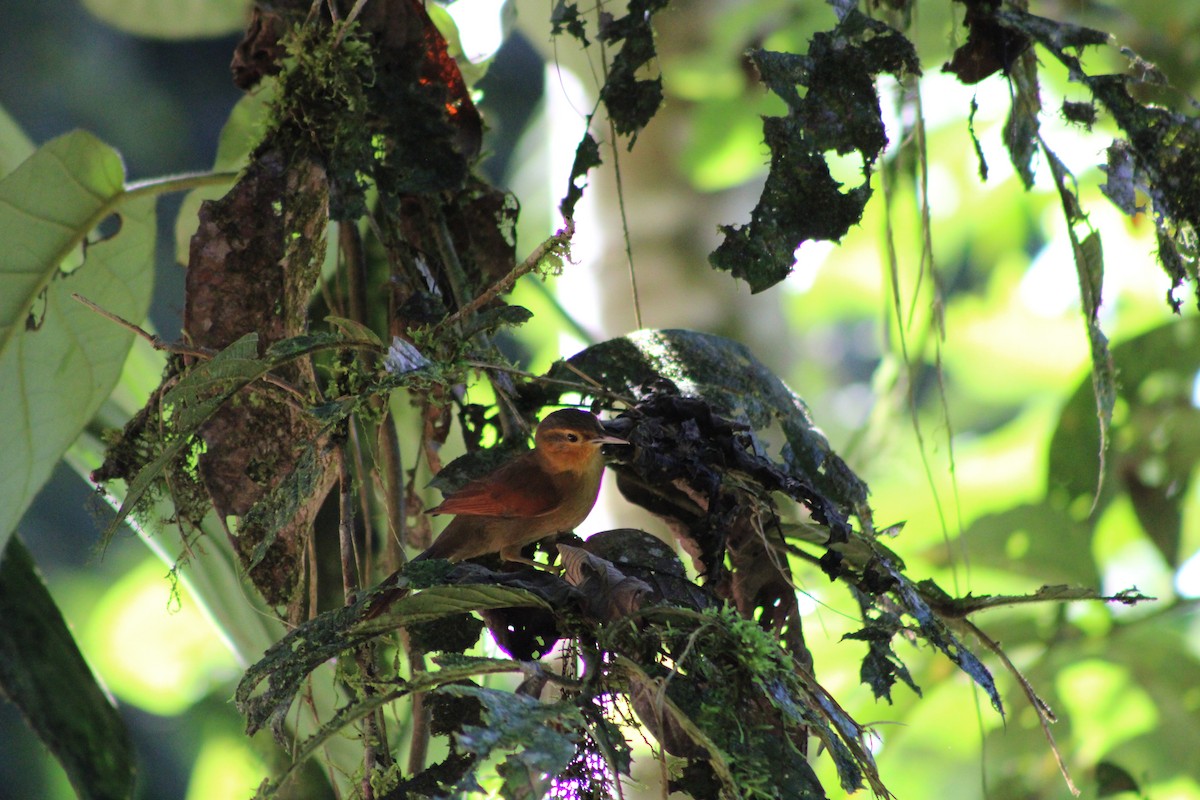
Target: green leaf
column 15, row 146
column 1112, row 779
column 881, row 667
column 1161, row 156
column 43, row 673
column 938, row 633
column 839, row 111
column 213, row 580
column 544, row 737
column 355, row 329
column 288, row 662
column 172, row 19
column 58, row 359
column 203, row 390
column 279, row 506
column 221, row 377
column 443, row 601
column 1089, row 267
column 329, row 731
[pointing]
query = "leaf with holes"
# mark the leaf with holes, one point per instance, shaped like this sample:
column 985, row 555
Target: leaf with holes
column 58, row 359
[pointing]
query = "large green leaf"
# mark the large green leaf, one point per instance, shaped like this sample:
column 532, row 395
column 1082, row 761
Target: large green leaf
column 173, row 19
column 43, row 673
column 58, row 359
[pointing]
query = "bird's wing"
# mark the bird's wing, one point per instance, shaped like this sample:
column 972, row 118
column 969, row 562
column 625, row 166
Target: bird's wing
column 515, row 490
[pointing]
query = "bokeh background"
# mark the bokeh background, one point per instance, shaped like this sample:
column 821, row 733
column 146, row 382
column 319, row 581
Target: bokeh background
column 958, row 386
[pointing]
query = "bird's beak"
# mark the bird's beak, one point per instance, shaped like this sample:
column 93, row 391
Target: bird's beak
column 608, row 439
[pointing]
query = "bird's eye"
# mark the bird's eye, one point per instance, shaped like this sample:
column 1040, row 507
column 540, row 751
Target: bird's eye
column 571, row 437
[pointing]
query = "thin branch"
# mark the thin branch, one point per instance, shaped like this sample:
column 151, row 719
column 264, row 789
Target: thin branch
column 393, row 489
column 1044, row 714
column 362, row 548
column 299, row 399
column 345, row 26
column 346, row 525
column 560, row 241
column 156, row 342
column 452, row 264
column 350, row 242
column 637, row 303
column 616, row 157
column 961, row 607
column 419, row 740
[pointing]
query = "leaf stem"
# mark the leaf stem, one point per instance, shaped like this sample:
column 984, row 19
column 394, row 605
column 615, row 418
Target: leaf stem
column 167, row 184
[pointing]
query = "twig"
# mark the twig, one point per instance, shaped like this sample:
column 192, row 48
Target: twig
column 616, row 157
column 354, row 12
column 300, row 400
column 156, row 342
column 346, row 525
column 575, row 326
column 637, row 303
column 452, row 264
column 350, row 242
column 419, row 738
column 393, row 489
column 362, row 548
column 1044, row 714
column 587, row 378
column 961, row 607
column 559, row 241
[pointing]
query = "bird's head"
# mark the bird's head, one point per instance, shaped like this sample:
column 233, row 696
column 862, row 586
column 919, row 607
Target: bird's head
column 570, row 440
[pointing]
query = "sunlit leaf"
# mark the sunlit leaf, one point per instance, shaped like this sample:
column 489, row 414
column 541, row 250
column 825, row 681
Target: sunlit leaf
column 1040, row 541
column 58, row 359
column 287, row 663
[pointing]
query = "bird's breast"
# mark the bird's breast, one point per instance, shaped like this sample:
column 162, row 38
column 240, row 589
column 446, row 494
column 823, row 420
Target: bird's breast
column 578, row 491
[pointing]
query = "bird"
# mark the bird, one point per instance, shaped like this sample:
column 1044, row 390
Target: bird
column 547, row 490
